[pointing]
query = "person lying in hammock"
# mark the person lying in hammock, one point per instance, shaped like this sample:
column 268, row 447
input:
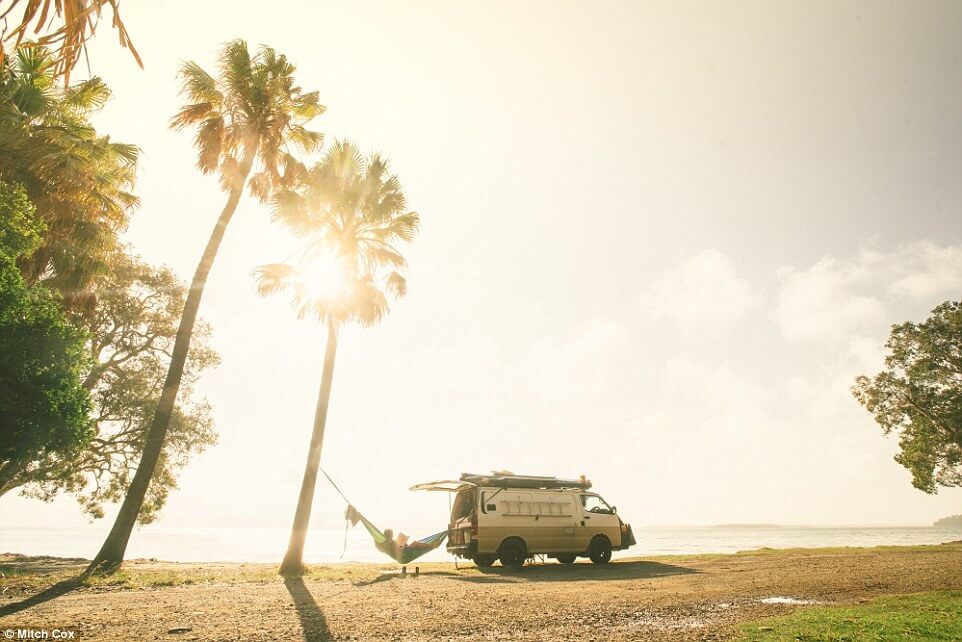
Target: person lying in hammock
column 400, row 548
column 396, row 547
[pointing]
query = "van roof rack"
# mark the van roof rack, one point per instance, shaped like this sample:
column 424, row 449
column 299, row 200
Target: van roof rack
column 524, row 481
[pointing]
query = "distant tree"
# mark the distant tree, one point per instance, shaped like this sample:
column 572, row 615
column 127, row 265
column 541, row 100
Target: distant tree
column 354, row 213
column 43, row 404
column 246, row 120
column 63, row 25
column 131, row 334
column 919, row 396
column 78, row 180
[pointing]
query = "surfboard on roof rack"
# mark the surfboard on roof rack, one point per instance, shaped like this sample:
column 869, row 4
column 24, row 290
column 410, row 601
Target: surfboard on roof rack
column 524, row 481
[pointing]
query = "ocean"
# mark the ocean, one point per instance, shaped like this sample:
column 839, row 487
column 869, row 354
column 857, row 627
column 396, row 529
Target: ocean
column 327, row 545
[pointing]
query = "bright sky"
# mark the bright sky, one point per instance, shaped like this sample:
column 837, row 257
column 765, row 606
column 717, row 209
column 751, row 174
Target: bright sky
column 659, row 242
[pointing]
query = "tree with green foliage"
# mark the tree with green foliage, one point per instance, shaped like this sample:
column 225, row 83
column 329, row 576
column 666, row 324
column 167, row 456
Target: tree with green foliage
column 43, row 404
column 919, row 396
column 131, row 333
column 246, row 120
column 354, row 214
column 78, row 180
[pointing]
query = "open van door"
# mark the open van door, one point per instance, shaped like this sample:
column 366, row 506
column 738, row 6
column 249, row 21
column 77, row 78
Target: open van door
column 447, row 485
column 463, row 522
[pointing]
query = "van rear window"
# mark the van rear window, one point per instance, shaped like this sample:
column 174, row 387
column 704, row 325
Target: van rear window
column 463, row 504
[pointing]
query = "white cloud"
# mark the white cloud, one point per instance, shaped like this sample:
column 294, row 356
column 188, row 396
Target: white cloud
column 821, row 300
column 577, row 363
column 929, row 270
column 836, row 297
column 704, row 291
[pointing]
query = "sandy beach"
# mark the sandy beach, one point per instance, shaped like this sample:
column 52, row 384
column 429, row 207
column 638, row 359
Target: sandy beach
column 700, row 597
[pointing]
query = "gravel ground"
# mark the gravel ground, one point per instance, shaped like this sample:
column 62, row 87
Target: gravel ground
column 666, row 598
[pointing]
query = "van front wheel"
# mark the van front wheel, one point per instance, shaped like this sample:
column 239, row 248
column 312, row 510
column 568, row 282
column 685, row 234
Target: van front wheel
column 600, row 550
column 513, row 553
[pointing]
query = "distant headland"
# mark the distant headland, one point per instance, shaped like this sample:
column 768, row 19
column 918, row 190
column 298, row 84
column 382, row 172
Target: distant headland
column 953, row 521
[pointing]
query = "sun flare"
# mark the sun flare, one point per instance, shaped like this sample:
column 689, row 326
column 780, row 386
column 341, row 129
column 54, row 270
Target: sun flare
column 324, row 277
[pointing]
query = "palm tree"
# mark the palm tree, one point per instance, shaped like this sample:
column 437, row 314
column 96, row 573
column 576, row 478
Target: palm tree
column 246, row 119
column 353, row 212
column 79, row 181
column 65, row 25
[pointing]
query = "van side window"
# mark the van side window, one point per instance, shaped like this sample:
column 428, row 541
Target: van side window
column 534, row 505
column 487, row 506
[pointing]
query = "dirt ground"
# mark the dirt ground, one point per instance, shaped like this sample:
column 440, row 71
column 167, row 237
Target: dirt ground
column 666, row 598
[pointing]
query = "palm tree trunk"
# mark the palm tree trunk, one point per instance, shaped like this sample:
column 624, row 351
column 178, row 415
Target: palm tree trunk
column 112, row 552
column 293, row 563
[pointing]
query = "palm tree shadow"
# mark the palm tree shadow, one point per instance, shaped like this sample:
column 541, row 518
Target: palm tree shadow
column 383, row 577
column 55, row 591
column 313, row 622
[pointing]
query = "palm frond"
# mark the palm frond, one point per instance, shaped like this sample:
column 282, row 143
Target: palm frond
column 273, row 277
column 396, row 284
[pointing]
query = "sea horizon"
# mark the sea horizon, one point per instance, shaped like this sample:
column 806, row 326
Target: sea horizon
column 200, row 544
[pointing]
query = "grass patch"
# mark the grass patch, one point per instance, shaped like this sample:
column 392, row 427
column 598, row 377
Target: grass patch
column 923, row 616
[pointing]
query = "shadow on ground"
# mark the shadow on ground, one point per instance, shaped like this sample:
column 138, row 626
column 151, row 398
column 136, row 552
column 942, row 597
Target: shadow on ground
column 313, row 622
column 55, row 591
column 632, row 570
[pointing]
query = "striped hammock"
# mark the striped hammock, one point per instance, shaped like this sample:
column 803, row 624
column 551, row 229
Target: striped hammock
column 401, row 554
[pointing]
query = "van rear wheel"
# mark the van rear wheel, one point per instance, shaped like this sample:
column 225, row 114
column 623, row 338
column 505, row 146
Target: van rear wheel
column 567, row 559
column 483, row 561
column 513, row 553
column 600, row 550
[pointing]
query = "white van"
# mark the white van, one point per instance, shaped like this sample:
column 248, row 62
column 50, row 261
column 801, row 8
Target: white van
column 512, row 518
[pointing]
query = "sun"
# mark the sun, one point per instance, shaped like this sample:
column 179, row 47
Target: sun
column 324, row 277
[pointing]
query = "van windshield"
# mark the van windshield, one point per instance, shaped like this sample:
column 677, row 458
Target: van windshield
column 594, row 504
column 463, row 505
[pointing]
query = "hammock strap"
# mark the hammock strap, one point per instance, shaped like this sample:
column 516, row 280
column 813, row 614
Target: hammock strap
column 334, row 485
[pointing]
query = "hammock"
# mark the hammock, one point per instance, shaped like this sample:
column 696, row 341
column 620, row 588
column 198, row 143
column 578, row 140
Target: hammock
column 401, row 554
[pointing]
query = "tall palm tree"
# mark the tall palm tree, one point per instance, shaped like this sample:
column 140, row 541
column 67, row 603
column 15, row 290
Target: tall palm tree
column 354, row 213
column 246, row 119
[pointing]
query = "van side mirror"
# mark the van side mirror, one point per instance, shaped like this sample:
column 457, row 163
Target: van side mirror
column 614, row 510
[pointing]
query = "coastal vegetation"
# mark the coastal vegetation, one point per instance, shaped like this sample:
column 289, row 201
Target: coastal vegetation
column 82, row 304
column 918, row 396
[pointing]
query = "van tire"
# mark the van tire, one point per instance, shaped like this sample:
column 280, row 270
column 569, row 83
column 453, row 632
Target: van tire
column 567, row 559
column 600, row 550
column 513, row 553
column 483, row 561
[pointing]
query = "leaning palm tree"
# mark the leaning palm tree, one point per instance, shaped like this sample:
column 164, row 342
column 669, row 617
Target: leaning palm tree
column 354, row 213
column 246, row 119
